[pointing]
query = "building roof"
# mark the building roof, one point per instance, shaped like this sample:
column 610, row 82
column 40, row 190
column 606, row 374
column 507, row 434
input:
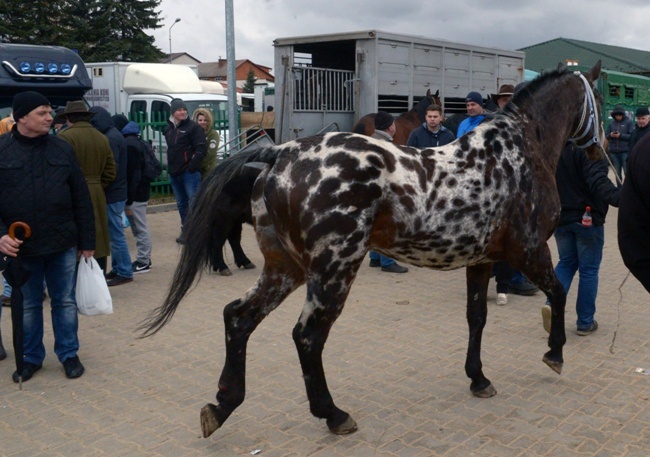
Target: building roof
column 219, row 69
column 176, row 55
column 546, row 56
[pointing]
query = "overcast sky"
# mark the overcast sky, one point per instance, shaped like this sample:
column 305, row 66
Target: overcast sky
column 506, row 24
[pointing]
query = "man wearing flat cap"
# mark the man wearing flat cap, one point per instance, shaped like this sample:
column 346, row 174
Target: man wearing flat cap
column 385, row 130
column 44, row 187
column 642, row 125
column 186, row 148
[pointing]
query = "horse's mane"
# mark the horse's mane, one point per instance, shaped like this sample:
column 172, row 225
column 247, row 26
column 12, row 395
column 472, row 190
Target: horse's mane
column 521, row 97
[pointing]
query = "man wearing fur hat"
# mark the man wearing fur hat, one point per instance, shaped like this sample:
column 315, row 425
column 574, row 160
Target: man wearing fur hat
column 44, row 187
column 186, row 149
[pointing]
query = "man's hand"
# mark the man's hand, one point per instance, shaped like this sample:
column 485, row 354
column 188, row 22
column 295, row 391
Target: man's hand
column 10, row 247
column 87, row 254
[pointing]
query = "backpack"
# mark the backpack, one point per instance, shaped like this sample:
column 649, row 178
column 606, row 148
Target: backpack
column 152, row 167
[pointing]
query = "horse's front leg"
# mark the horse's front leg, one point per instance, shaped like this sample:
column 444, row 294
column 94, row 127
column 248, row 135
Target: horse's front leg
column 216, row 256
column 478, row 277
column 324, row 304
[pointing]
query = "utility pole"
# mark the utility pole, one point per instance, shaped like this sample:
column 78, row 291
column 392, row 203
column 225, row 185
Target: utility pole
column 178, row 19
column 230, row 70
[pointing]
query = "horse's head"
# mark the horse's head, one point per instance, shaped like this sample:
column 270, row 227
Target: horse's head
column 589, row 134
column 428, row 100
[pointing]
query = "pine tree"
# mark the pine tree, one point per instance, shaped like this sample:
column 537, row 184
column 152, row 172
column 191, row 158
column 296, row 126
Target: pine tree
column 249, row 85
column 99, row 30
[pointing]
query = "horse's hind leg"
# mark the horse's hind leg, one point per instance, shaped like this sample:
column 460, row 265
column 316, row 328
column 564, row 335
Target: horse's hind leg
column 325, row 300
column 540, row 271
column 241, row 317
column 478, row 277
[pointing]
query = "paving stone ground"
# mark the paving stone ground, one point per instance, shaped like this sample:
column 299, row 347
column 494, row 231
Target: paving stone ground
column 394, row 360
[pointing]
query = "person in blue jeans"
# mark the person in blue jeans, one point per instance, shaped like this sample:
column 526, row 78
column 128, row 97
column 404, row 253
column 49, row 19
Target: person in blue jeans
column 49, row 193
column 618, row 133
column 581, row 183
column 116, row 194
column 186, row 149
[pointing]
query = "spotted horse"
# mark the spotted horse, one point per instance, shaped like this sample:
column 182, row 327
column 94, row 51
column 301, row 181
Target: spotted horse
column 321, row 203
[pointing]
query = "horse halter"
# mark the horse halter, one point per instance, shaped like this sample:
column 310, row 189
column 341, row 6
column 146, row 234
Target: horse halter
column 588, row 114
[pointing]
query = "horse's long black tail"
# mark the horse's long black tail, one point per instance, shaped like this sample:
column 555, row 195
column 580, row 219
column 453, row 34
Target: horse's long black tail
column 223, row 198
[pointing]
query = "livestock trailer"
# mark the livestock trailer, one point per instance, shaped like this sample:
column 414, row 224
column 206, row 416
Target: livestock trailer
column 327, row 82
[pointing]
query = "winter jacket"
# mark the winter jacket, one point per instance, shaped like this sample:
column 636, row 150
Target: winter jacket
column 43, row 186
column 212, row 136
column 186, row 147
column 583, row 182
column 621, row 144
column 637, row 134
column 139, row 188
column 98, row 166
column 469, row 124
column 422, row 137
column 101, row 120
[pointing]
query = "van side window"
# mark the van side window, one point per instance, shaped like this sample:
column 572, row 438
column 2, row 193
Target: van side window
column 160, row 112
column 138, row 112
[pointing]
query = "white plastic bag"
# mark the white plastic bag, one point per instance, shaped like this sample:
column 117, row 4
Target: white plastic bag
column 92, row 292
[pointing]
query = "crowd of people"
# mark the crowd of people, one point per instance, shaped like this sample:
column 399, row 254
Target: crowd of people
column 73, row 176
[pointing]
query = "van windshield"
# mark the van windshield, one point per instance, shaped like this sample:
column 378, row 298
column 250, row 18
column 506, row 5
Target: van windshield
column 218, row 108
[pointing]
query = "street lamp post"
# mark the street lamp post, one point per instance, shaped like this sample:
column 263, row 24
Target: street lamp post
column 178, row 19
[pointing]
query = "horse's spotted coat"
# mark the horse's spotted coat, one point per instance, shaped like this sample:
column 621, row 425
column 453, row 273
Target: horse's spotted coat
column 434, row 208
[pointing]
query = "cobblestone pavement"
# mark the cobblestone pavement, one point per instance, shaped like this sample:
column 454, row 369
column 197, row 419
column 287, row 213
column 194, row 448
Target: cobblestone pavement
column 394, row 360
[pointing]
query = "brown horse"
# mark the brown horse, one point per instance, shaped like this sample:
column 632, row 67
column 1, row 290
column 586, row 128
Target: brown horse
column 405, row 123
column 321, row 203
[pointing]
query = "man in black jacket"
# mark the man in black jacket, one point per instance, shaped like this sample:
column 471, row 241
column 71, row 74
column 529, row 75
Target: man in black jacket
column 585, row 190
column 43, row 186
column 186, row 148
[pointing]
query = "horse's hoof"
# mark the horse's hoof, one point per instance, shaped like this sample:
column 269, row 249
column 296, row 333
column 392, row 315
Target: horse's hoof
column 347, row 427
column 225, row 272
column 209, row 422
column 488, row 392
column 555, row 366
column 247, row 266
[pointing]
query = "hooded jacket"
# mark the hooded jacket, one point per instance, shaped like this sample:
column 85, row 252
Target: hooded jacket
column 625, row 127
column 422, row 137
column 139, row 188
column 212, row 137
column 101, row 120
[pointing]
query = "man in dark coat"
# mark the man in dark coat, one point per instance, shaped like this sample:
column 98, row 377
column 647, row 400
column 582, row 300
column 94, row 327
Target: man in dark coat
column 116, row 196
column 43, row 186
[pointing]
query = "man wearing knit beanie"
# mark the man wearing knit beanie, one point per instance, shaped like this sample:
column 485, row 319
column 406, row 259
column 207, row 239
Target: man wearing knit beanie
column 474, row 105
column 48, row 186
column 186, row 148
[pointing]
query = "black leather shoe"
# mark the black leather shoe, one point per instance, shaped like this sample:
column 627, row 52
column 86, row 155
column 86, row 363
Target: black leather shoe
column 395, row 268
column 3, row 353
column 118, row 280
column 523, row 288
column 73, row 367
column 374, row 263
column 28, row 371
column 110, row 275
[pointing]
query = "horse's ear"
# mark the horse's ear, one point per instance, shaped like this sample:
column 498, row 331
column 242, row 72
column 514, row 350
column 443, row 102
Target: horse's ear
column 561, row 67
column 437, row 94
column 594, row 73
column 428, row 93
